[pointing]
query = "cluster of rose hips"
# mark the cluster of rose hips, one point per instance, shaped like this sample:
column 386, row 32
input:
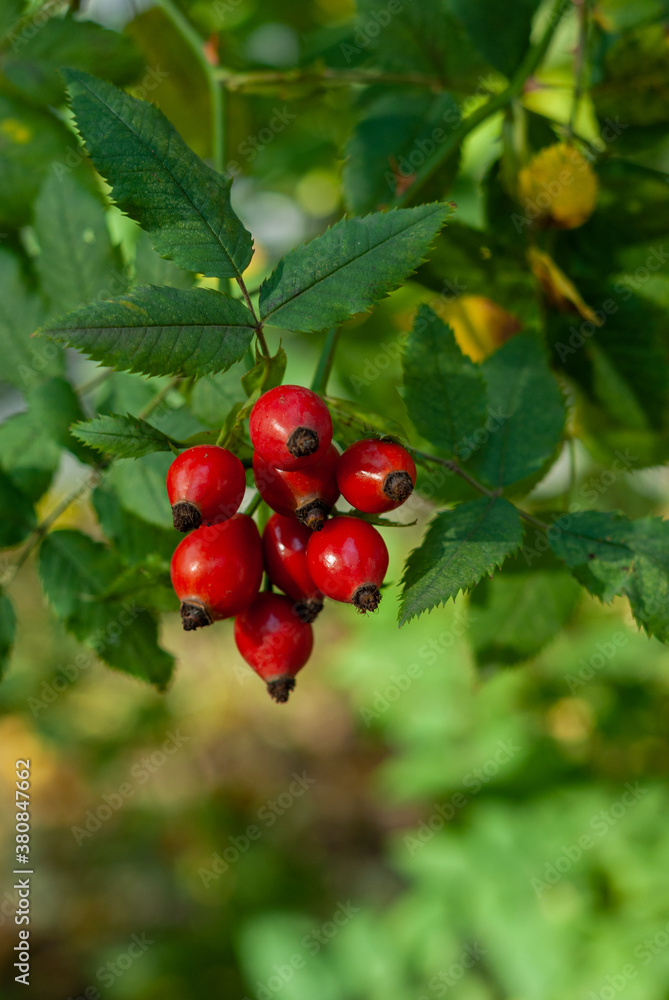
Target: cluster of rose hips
column 217, row 569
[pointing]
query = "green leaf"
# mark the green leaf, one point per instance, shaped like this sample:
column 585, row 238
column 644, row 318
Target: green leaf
column 399, row 127
column 611, row 555
column 33, row 67
column 77, row 262
column 514, row 615
column 526, row 412
column 639, row 55
column 125, row 437
column 423, row 36
column 266, row 374
column 10, row 14
column 500, row 33
column 349, row 268
column 7, row 632
column 443, row 390
column 17, row 517
column 55, row 406
column 136, row 540
column 76, row 572
column 460, row 547
column 140, row 484
column 213, row 396
column 159, row 181
column 29, row 457
column 32, row 143
column 160, row 331
column 24, row 361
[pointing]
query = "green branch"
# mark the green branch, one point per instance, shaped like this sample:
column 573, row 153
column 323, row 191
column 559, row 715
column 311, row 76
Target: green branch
column 325, row 362
column 529, row 65
column 196, row 44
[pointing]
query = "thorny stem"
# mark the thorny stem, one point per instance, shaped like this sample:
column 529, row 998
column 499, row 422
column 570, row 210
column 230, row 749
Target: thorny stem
column 581, row 67
column 322, row 75
column 474, row 483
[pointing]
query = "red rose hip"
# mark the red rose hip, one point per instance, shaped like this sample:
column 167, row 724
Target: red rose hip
column 274, row 641
column 347, row 561
column 376, row 476
column 290, row 427
column 284, row 544
column 309, row 494
column 217, row 571
column 205, row 484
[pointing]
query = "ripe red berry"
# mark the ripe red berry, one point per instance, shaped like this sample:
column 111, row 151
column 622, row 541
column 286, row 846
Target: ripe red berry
column 284, row 543
column 204, row 484
column 274, row 641
column 290, row 427
column 217, row 570
column 348, row 560
column 376, row 476
column 309, row 494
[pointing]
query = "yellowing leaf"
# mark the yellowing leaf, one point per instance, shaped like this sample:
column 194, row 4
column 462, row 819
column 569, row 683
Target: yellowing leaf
column 558, row 187
column 479, row 324
column 560, row 290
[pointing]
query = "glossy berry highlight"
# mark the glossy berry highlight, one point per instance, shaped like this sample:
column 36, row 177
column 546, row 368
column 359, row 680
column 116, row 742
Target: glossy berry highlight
column 347, row 561
column 308, row 494
column 284, row 543
column 217, row 571
column 376, row 476
column 274, row 641
column 290, row 428
column 205, row 485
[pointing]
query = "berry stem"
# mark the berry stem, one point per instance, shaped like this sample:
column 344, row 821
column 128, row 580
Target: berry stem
column 325, row 362
column 262, row 343
column 253, row 506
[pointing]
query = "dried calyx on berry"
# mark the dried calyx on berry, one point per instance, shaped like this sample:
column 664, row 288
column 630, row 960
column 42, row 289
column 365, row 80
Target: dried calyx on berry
column 274, row 641
column 347, row 561
column 308, row 494
column 290, row 428
column 205, row 484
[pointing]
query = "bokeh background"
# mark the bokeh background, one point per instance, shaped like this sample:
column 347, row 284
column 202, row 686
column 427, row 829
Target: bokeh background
column 424, row 818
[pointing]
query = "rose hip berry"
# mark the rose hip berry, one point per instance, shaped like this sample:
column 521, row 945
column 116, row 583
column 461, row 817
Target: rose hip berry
column 309, row 494
column 348, row 560
column 274, row 641
column 205, row 484
column 376, row 476
column 290, row 427
column 284, row 544
column 217, row 570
